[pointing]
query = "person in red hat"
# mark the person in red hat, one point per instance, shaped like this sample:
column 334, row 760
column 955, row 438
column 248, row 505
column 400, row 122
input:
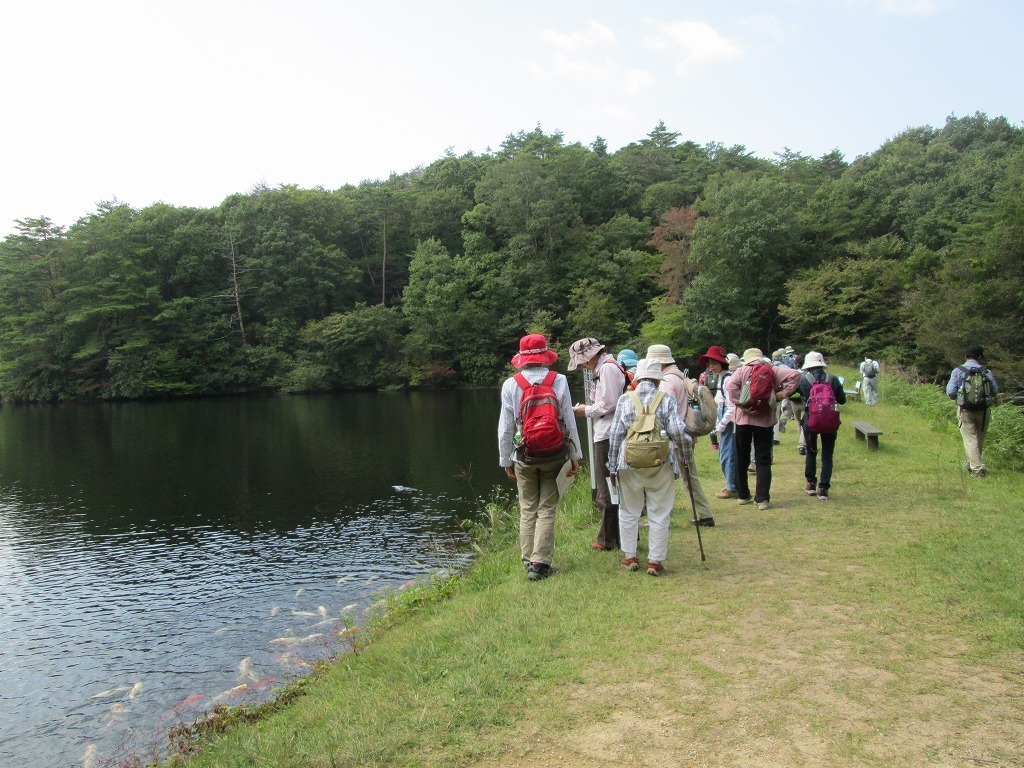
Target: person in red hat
column 536, row 478
column 716, row 361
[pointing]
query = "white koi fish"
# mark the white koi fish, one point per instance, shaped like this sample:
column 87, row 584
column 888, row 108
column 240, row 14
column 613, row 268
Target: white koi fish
column 135, row 691
column 245, row 671
column 346, row 577
column 274, row 611
column 372, row 578
column 304, row 613
column 91, row 756
column 121, row 689
column 350, row 608
column 299, row 591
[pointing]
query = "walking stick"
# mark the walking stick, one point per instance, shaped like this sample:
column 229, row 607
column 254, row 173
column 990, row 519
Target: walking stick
column 588, row 380
column 693, row 504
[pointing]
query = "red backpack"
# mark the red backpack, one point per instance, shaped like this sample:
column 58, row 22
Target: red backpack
column 822, row 408
column 540, row 436
column 757, row 395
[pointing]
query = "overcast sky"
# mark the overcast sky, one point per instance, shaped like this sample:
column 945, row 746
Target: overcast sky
column 188, row 102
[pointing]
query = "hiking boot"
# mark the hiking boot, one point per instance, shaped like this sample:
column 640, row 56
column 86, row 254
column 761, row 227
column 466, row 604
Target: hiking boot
column 802, row 451
column 809, row 489
column 751, row 470
column 978, row 472
column 762, row 505
column 725, row 493
column 630, row 563
column 822, row 493
column 747, row 500
column 704, row 522
column 654, row 569
column 599, row 547
column 538, row 571
column 776, row 441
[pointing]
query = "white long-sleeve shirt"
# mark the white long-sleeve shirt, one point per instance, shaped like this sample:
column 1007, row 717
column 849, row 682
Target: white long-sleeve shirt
column 512, row 396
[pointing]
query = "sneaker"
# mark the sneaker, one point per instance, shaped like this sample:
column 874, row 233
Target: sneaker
column 630, row 563
column 747, row 500
column 538, row 571
column 776, row 441
column 704, row 522
column 762, row 505
column 967, row 466
column 599, row 547
column 978, row 472
column 751, row 470
column 654, row 569
column 802, row 451
column 822, row 493
column 809, row 489
column 725, row 493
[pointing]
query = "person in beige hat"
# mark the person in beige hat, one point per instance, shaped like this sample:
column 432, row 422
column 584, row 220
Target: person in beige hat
column 754, row 427
column 673, row 382
column 653, row 487
column 814, row 371
column 609, row 383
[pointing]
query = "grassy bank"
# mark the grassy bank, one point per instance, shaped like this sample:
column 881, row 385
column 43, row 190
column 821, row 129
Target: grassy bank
column 883, row 627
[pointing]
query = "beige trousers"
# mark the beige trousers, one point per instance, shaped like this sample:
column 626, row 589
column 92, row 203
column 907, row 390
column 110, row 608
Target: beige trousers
column 973, row 425
column 538, row 503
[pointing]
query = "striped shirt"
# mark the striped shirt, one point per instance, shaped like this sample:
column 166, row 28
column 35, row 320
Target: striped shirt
column 668, row 419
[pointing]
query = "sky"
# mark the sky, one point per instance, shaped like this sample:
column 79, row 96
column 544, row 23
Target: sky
column 187, row 102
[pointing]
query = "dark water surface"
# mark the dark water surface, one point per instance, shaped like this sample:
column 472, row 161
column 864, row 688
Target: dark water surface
column 152, row 553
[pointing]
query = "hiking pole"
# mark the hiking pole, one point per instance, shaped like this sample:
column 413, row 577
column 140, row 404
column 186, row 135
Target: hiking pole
column 693, row 504
column 588, row 379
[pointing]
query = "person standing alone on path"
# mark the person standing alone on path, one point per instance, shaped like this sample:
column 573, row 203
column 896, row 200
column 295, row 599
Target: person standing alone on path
column 974, row 389
column 536, row 481
column 869, row 381
column 754, row 418
column 609, row 384
column 814, row 367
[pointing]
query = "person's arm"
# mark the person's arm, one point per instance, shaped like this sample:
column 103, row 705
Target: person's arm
column 787, row 382
column 955, row 379
column 610, row 383
column 624, row 411
column 838, row 391
column 506, row 427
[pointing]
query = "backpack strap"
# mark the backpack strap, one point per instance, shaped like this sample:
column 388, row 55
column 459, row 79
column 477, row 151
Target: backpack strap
column 524, row 383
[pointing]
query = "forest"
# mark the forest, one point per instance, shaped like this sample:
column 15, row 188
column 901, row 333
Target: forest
column 430, row 277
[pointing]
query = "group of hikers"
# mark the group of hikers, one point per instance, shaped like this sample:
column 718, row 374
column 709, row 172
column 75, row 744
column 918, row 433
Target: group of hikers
column 644, row 415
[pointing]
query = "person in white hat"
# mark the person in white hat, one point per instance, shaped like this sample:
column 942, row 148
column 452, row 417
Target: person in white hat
column 814, row 367
column 654, row 486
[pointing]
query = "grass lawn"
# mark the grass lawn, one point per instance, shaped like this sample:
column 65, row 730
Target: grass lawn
column 880, row 628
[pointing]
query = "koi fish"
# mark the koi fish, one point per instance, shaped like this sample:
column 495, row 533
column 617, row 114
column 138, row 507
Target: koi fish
column 112, row 692
column 321, row 610
column 91, row 756
column 291, row 660
column 114, row 714
column 229, row 694
column 346, row 577
column 135, row 691
column 373, row 578
column 297, row 640
column 349, row 608
column 274, row 611
column 189, row 702
column 245, row 670
column 304, row 613
column 299, row 591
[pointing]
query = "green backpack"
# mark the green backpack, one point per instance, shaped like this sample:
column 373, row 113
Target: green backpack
column 646, row 445
column 975, row 392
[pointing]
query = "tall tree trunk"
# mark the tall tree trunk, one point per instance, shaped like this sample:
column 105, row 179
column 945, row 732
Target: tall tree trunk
column 237, row 293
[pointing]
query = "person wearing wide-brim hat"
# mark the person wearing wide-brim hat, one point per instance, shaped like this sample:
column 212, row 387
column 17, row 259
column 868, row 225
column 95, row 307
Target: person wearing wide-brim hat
column 814, row 371
column 716, row 359
column 609, row 382
column 653, row 486
column 536, row 482
column 674, row 382
column 628, row 359
column 754, row 429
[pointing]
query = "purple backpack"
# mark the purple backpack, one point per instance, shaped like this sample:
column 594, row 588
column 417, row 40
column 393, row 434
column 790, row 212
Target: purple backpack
column 822, row 408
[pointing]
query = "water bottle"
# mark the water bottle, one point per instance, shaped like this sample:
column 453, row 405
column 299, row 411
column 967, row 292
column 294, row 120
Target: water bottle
column 714, row 441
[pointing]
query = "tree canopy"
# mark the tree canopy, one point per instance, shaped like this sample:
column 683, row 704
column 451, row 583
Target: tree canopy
column 430, row 277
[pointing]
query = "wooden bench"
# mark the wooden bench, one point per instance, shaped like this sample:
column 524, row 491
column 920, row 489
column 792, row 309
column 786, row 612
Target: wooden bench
column 865, row 431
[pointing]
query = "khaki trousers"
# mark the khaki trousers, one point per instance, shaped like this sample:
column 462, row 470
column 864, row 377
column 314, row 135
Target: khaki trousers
column 538, row 503
column 973, row 425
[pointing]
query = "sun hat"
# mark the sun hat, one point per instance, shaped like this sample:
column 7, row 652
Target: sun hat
column 752, row 354
column 661, row 353
column 714, row 353
column 814, row 360
column 648, row 368
column 627, row 357
column 734, row 361
column 533, row 350
column 789, row 350
column 583, row 351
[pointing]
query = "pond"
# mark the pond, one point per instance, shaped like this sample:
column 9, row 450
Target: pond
column 157, row 557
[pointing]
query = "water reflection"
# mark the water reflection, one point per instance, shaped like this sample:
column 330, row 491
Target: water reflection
column 152, row 554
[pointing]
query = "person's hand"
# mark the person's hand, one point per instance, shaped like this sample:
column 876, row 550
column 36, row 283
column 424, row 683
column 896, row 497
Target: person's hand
column 579, row 409
column 511, row 472
column 574, row 467
column 614, row 479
